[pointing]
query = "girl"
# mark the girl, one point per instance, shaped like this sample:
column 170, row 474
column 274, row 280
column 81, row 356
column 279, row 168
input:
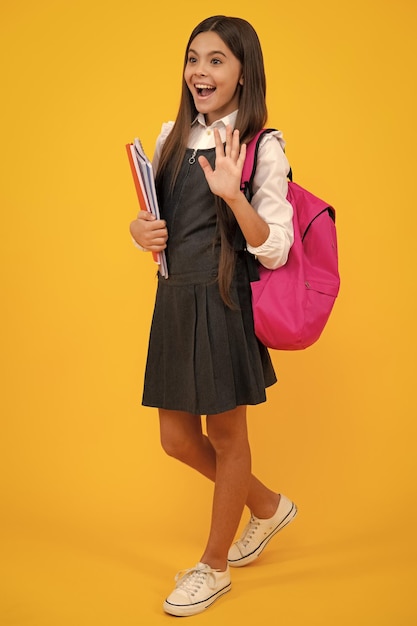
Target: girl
column 204, row 358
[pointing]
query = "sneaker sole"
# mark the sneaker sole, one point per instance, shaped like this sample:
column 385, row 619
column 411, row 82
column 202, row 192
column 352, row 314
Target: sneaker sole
column 249, row 558
column 192, row 609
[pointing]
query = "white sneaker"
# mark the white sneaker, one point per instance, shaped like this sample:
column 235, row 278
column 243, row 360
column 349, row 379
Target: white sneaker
column 196, row 589
column 258, row 532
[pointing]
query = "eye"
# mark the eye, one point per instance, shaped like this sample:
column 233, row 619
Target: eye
column 215, row 61
column 192, row 59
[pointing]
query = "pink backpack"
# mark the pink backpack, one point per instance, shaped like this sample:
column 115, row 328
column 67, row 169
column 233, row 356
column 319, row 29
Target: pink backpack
column 292, row 304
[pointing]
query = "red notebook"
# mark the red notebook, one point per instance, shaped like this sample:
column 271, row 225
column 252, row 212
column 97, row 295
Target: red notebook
column 142, row 173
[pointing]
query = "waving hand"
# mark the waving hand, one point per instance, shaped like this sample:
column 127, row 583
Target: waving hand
column 224, row 180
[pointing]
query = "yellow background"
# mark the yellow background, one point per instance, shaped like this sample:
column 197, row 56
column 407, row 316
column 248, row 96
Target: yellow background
column 95, row 519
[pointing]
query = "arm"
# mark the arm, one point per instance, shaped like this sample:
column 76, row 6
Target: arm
column 270, row 188
column 266, row 223
column 224, row 181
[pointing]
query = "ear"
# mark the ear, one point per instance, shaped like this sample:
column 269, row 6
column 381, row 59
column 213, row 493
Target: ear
column 241, row 80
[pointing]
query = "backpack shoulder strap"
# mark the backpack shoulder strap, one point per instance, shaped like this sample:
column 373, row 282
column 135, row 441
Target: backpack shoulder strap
column 248, row 173
column 249, row 167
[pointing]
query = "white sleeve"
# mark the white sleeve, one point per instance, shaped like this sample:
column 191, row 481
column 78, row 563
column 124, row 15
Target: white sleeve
column 165, row 130
column 270, row 187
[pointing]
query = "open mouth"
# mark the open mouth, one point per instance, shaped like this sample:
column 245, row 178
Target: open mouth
column 204, row 90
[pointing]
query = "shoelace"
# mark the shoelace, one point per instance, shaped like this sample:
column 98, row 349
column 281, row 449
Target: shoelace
column 249, row 531
column 190, row 580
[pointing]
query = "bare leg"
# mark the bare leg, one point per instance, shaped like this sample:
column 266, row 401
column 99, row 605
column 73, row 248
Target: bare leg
column 228, row 435
column 182, row 437
column 214, row 457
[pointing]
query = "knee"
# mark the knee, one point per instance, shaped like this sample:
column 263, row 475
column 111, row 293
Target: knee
column 175, row 446
column 221, row 441
column 180, row 433
column 228, row 436
column 170, row 445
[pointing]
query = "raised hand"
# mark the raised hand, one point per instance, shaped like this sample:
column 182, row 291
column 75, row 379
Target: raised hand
column 224, row 179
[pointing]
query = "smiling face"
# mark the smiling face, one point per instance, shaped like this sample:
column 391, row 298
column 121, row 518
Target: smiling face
column 213, row 75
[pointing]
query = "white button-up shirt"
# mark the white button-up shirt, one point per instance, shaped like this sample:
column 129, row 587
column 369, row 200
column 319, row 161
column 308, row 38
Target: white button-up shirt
column 270, row 184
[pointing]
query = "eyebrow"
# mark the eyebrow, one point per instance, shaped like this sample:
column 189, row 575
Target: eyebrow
column 209, row 54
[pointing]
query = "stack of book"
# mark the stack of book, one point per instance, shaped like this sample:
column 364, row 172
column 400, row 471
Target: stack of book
column 144, row 180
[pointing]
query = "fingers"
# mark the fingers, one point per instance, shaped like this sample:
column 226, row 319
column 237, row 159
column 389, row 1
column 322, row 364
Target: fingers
column 230, row 138
column 145, row 215
column 218, row 144
column 229, row 141
column 235, row 149
column 232, row 148
column 157, row 245
column 149, row 232
column 232, row 143
column 242, row 156
column 205, row 165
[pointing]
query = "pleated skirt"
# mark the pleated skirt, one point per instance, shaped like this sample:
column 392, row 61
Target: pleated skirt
column 203, row 357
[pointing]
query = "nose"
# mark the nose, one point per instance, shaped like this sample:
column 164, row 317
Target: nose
column 200, row 68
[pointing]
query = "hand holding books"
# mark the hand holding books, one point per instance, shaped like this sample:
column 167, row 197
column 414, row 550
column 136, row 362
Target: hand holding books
column 143, row 178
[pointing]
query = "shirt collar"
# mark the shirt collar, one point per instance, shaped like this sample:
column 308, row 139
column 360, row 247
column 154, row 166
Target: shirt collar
column 223, row 121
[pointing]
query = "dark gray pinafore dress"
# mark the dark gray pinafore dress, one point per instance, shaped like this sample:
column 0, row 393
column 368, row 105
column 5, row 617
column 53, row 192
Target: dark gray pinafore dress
column 203, row 357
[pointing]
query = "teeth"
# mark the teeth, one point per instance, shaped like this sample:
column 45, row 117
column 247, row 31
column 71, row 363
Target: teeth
column 203, row 86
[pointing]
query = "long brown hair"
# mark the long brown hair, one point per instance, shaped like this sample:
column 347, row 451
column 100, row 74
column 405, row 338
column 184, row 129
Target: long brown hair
column 242, row 40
